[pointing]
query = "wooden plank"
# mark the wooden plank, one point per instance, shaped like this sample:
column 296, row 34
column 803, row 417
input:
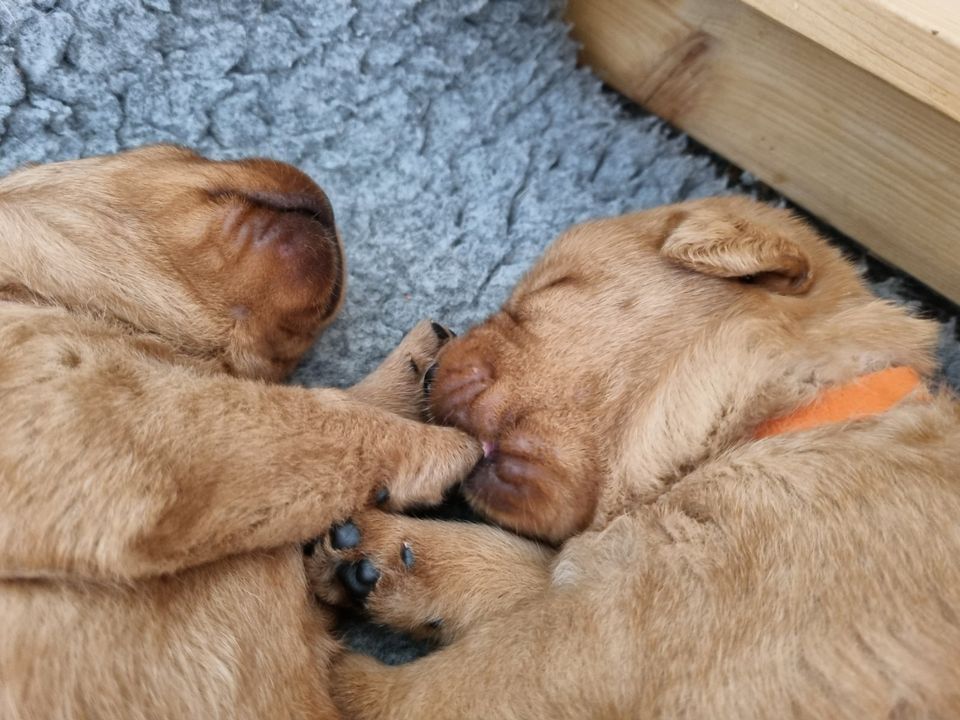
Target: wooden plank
column 912, row 44
column 880, row 165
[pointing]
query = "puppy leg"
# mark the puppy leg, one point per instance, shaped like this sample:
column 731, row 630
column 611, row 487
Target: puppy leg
column 544, row 659
column 398, row 382
column 426, row 576
column 148, row 467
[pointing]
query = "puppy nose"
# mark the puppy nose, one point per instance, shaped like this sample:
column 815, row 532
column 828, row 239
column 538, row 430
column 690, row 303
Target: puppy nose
column 461, row 376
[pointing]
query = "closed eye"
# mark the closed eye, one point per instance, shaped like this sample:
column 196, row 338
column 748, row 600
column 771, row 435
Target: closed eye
column 563, row 281
column 312, row 206
column 518, row 312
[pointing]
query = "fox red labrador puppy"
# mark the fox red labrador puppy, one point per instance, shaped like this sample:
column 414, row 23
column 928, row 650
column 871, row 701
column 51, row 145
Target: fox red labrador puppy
column 155, row 482
column 753, row 491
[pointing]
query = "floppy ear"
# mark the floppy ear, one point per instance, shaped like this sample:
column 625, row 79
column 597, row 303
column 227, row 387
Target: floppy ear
column 730, row 245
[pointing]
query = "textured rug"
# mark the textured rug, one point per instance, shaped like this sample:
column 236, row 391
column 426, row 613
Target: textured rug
column 455, row 138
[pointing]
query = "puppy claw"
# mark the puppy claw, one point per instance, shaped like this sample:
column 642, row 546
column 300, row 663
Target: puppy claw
column 443, row 334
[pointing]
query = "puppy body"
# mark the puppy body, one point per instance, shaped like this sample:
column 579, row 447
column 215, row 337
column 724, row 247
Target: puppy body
column 236, row 638
column 154, row 484
column 701, row 572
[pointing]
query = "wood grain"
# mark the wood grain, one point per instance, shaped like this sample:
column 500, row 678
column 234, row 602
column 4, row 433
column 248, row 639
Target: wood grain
column 912, row 44
column 876, row 162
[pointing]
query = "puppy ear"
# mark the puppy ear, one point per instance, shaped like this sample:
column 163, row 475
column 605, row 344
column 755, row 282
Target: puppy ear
column 730, row 245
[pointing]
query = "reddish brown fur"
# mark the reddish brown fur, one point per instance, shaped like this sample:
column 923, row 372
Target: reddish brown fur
column 154, row 485
column 701, row 573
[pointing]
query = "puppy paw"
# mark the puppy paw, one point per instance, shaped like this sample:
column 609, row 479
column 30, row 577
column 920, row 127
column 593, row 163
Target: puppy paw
column 400, row 382
column 380, row 563
column 434, row 460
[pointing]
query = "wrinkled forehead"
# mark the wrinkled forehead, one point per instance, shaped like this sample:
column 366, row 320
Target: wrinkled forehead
column 605, row 266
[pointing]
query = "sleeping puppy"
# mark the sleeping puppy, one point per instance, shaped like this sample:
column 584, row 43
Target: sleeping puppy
column 155, row 484
column 755, row 499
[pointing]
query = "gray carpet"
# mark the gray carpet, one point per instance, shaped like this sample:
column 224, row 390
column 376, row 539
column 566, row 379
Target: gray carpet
column 455, row 138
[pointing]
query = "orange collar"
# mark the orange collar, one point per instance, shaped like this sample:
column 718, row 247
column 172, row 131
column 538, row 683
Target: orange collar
column 867, row 395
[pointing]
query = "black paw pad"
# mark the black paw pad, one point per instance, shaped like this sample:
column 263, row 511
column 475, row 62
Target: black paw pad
column 345, row 536
column 406, row 555
column 428, row 377
column 358, row 578
column 367, row 572
column 310, row 547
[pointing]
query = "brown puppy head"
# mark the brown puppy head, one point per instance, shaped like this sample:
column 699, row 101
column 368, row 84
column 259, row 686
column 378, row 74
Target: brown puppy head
column 234, row 261
column 556, row 381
